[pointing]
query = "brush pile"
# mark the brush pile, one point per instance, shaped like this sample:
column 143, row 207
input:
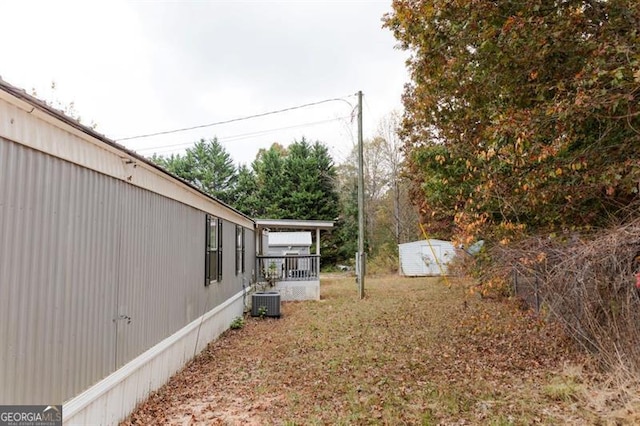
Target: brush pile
column 591, row 286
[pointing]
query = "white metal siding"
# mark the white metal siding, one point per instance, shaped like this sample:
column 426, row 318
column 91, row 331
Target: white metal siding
column 419, row 258
column 283, row 251
column 289, row 239
column 411, row 263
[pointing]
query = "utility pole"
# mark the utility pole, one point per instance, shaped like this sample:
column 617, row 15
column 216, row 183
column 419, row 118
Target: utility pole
column 361, row 254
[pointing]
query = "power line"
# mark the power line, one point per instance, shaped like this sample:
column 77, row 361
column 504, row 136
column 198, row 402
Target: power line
column 233, row 120
column 234, row 138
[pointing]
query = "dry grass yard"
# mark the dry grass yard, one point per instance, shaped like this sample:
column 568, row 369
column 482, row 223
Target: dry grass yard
column 415, row 351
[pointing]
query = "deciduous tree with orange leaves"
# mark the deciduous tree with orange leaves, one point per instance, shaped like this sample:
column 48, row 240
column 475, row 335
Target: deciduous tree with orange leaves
column 521, row 116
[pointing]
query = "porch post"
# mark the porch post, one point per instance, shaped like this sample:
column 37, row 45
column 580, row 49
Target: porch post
column 318, row 241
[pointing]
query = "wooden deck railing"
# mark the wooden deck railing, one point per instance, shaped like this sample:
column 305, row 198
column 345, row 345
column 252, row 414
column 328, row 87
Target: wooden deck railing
column 288, row 268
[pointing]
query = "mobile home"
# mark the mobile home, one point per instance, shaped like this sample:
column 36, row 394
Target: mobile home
column 113, row 273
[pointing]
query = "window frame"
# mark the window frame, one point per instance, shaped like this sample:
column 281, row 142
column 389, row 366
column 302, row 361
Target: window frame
column 240, row 246
column 213, row 247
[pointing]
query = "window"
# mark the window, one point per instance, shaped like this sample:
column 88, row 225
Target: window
column 213, row 252
column 239, row 249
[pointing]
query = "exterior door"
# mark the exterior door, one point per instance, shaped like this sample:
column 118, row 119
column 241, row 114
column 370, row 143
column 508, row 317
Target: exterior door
column 430, row 264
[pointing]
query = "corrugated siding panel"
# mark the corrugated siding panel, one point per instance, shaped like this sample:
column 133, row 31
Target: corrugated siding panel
column 77, row 249
column 410, row 256
column 249, row 254
column 231, row 283
column 57, row 288
column 161, row 270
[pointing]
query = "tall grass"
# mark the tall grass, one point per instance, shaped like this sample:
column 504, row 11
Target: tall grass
column 384, row 261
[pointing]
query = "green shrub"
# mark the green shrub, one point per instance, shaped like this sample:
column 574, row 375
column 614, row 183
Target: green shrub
column 237, row 323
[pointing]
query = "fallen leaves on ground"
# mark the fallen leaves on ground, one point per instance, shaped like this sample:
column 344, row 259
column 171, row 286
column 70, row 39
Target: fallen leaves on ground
column 414, row 351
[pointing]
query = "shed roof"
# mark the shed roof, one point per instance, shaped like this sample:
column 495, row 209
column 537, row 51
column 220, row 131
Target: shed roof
column 289, row 239
column 420, row 243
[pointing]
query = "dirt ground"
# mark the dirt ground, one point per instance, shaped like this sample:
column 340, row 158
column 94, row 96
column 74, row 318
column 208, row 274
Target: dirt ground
column 414, row 351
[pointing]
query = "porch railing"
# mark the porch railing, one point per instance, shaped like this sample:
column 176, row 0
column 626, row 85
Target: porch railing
column 288, row 268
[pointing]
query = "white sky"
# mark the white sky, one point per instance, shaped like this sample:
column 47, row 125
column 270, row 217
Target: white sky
column 142, row 67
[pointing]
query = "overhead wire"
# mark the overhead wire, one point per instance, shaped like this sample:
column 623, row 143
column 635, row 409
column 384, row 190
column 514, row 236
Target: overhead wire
column 242, row 136
column 345, row 155
column 233, row 120
column 368, row 108
column 340, row 152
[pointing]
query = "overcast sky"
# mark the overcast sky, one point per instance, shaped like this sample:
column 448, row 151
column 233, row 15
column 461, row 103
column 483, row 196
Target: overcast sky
column 143, row 67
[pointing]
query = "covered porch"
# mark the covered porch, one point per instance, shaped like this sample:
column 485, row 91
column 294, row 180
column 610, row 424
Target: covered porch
column 294, row 273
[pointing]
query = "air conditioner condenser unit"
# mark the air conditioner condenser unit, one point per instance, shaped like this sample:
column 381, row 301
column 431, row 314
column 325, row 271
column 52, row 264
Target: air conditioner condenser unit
column 265, row 304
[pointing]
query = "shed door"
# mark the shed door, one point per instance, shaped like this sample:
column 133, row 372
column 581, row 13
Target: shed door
column 429, row 263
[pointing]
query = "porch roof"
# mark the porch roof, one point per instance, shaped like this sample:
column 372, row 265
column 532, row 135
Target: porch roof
column 294, row 224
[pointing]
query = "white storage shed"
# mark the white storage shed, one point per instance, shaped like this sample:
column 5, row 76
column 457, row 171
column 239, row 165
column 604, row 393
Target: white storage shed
column 425, row 257
column 289, row 243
